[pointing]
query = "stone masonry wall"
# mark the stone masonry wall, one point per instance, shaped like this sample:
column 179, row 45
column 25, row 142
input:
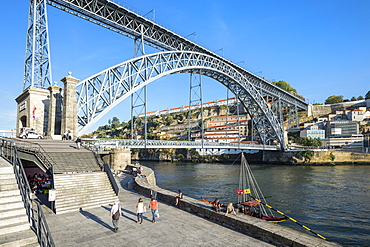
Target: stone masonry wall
column 320, row 157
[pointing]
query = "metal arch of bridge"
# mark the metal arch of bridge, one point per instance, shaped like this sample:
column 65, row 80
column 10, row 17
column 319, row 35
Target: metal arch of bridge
column 100, row 93
column 126, row 22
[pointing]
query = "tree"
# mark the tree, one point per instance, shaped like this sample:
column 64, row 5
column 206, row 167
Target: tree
column 284, row 85
column 360, row 98
column 334, row 99
column 311, row 142
column 353, row 98
column 367, row 95
column 307, row 155
column 331, row 157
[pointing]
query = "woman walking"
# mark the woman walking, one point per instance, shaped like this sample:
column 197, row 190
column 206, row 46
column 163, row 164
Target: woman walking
column 140, row 209
column 153, row 205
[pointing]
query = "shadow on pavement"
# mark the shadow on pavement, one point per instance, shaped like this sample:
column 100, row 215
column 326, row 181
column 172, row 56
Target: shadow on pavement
column 95, row 218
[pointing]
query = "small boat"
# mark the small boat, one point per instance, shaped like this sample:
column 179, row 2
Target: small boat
column 250, row 198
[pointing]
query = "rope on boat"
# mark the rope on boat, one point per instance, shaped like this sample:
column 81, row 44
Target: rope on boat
column 290, row 218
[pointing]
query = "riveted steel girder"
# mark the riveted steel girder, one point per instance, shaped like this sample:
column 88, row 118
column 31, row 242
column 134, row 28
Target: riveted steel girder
column 99, row 93
column 37, row 71
column 124, row 21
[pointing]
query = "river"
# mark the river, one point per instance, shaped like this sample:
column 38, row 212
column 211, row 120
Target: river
column 333, row 201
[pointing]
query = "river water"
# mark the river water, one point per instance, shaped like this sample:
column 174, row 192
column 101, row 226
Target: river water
column 333, row 201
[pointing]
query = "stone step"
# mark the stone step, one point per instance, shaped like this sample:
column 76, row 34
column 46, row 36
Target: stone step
column 9, row 193
column 84, row 198
column 7, row 205
column 19, row 239
column 11, row 220
column 14, row 228
column 12, row 212
column 83, row 192
column 8, row 180
column 73, row 175
column 75, row 208
column 5, row 187
column 10, row 199
column 6, row 169
column 71, row 182
column 7, row 175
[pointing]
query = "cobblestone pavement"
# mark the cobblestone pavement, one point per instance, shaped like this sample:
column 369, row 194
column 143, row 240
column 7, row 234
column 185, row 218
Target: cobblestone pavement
column 175, row 227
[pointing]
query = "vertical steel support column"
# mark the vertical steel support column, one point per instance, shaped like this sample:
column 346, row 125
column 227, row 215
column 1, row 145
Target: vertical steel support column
column 227, row 114
column 296, row 116
column 238, row 114
column 139, row 50
column 195, row 90
column 281, row 120
column 37, row 71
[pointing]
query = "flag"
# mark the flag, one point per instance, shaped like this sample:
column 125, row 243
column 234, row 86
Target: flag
column 240, row 192
column 34, row 112
column 247, row 191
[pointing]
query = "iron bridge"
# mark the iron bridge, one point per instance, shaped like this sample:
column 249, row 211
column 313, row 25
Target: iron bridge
column 128, row 143
column 101, row 92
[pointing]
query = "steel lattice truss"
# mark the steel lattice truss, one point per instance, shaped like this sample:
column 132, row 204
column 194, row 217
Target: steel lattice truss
column 37, row 61
column 101, row 92
column 121, row 20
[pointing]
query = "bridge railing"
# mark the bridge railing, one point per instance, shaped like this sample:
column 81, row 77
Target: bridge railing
column 36, row 218
column 101, row 144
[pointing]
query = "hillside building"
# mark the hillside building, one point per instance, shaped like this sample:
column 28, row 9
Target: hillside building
column 313, row 131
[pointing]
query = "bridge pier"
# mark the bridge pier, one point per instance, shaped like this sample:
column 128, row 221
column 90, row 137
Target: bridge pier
column 69, row 113
column 54, row 119
column 32, row 110
column 118, row 159
column 41, row 109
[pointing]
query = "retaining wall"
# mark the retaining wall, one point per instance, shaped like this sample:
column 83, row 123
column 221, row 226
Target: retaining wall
column 257, row 228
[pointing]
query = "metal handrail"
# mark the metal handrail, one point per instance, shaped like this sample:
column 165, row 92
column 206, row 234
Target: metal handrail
column 37, row 150
column 105, row 167
column 36, row 218
column 111, row 178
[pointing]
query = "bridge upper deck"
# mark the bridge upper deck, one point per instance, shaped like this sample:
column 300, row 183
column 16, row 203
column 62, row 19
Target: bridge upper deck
column 126, row 22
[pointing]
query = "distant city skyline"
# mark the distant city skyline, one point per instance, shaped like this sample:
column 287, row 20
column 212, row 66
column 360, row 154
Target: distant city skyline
column 319, row 48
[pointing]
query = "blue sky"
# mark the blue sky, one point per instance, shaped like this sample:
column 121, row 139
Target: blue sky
column 321, row 48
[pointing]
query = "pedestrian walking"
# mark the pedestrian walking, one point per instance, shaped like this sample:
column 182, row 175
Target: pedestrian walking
column 140, row 209
column 153, row 205
column 116, row 214
column 78, row 142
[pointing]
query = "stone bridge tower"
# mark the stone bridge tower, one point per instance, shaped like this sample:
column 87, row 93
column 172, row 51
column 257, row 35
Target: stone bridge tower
column 51, row 111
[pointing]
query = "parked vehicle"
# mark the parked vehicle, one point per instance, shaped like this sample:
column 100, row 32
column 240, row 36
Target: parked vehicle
column 30, row 135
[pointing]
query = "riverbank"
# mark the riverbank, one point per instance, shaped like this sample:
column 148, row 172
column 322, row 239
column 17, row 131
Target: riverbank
column 321, row 157
column 268, row 232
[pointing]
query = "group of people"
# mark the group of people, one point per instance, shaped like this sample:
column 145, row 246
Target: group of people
column 116, row 211
column 67, row 136
column 39, row 183
column 216, row 205
column 138, row 172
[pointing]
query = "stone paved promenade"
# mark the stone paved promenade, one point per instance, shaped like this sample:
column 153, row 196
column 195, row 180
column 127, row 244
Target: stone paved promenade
column 175, row 227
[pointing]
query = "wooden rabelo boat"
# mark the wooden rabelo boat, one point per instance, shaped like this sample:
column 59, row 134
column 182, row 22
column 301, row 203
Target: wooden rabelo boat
column 248, row 193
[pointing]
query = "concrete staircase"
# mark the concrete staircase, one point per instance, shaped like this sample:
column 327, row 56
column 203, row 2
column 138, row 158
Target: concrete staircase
column 69, row 162
column 14, row 226
column 82, row 190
